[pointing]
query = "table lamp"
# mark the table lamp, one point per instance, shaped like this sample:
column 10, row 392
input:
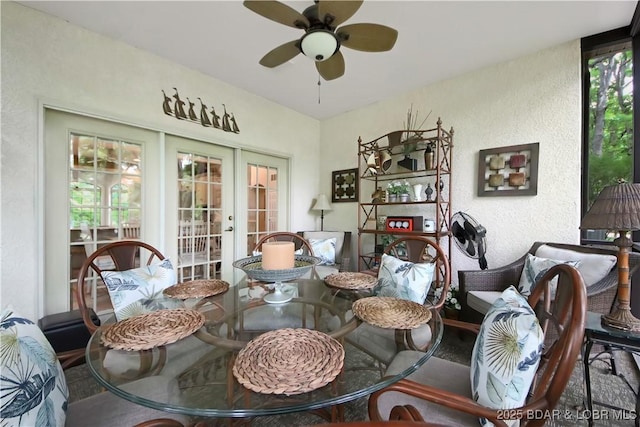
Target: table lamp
column 617, row 208
column 322, row 204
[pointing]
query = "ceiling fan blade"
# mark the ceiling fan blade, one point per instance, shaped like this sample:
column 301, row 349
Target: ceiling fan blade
column 278, row 12
column 340, row 11
column 332, row 68
column 280, row 54
column 367, row 37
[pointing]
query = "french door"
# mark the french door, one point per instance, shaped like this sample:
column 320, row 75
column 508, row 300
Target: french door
column 98, row 187
column 105, row 181
column 200, row 208
column 264, row 182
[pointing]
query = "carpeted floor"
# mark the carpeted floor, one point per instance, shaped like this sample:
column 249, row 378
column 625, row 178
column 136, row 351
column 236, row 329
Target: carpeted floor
column 606, row 387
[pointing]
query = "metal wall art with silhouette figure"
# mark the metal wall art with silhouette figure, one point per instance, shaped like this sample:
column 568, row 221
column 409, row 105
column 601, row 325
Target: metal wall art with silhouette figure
column 206, row 117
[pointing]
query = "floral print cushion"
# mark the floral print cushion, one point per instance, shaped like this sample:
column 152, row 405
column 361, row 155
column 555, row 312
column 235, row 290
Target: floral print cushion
column 403, row 279
column 139, row 290
column 33, row 389
column 325, row 249
column 506, row 353
column 534, row 268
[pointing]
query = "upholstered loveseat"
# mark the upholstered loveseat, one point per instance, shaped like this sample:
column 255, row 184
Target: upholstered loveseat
column 479, row 288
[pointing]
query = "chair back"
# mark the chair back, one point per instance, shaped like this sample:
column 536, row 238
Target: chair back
column 299, row 242
column 193, row 245
column 123, row 255
column 563, row 322
column 131, row 230
column 420, row 249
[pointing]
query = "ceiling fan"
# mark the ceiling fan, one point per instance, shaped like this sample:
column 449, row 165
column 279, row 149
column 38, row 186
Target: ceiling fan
column 322, row 37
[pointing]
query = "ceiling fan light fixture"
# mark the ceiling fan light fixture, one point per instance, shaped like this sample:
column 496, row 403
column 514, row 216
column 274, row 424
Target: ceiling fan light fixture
column 319, row 45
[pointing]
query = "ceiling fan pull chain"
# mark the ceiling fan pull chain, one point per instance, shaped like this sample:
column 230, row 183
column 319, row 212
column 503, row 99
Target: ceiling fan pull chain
column 318, row 88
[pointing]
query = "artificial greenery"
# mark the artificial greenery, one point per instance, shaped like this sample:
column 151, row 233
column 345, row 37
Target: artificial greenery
column 451, row 300
column 398, row 187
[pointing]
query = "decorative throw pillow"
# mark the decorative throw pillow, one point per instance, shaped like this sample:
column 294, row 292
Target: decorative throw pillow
column 506, row 353
column 403, row 279
column 325, row 249
column 34, row 388
column 136, row 291
column 536, row 267
column 593, row 267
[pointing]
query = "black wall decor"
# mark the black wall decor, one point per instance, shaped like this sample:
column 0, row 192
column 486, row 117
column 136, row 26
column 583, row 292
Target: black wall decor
column 205, row 117
column 344, row 185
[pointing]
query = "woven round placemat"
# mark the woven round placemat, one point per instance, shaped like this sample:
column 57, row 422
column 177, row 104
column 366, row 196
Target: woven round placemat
column 150, row 330
column 197, row 289
column 394, row 313
column 289, row 361
column 351, row 280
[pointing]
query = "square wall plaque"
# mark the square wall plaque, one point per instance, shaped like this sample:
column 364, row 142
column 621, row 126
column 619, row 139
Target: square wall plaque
column 508, row 171
column 344, row 185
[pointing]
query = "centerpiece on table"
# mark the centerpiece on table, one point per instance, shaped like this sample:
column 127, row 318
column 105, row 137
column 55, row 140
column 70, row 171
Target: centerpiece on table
column 278, row 263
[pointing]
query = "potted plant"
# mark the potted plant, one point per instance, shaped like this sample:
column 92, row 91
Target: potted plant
column 398, row 191
column 452, row 305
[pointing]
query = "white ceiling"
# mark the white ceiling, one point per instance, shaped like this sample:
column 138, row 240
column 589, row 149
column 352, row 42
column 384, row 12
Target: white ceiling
column 437, row 40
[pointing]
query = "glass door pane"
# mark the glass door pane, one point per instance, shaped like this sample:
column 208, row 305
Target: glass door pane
column 199, row 216
column 262, row 203
column 266, row 200
column 202, row 222
column 105, row 184
column 610, row 147
column 94, row 181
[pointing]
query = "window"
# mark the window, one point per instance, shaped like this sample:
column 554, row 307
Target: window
column 83, row 196
column 199, row 216
column 105, row 199
column 262, row 203
column 609, row 148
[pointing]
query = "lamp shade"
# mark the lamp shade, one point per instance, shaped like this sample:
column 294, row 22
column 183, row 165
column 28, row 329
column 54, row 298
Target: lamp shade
column 319, row 45
column 322, row 203
column 617, row 207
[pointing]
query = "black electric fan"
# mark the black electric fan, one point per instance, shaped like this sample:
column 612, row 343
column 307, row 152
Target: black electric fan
column 470, row 237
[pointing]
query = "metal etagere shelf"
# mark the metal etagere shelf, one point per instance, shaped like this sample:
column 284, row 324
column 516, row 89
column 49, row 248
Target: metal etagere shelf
column 423, row 158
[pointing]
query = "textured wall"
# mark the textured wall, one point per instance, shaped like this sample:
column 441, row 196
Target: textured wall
column 45, row 59
column 531, row 99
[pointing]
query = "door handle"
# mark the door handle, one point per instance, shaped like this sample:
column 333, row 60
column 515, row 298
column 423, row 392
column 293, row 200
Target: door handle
column 228, row 229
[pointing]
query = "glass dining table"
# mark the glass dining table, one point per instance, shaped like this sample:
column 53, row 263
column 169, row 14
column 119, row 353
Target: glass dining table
column 194, row 376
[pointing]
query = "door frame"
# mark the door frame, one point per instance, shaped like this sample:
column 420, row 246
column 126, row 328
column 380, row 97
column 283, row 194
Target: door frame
column 284, row 191
column 83, row 110
column 58, row 124
column 175, row 144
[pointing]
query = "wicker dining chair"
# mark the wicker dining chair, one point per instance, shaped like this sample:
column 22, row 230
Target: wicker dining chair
column 125, row 255
column 420, row 249
column 441, row 391
column 385, row 343
column 299, row 242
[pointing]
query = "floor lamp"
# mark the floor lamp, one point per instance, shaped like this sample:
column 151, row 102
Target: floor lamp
column 322, row 204
column 617, row 208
